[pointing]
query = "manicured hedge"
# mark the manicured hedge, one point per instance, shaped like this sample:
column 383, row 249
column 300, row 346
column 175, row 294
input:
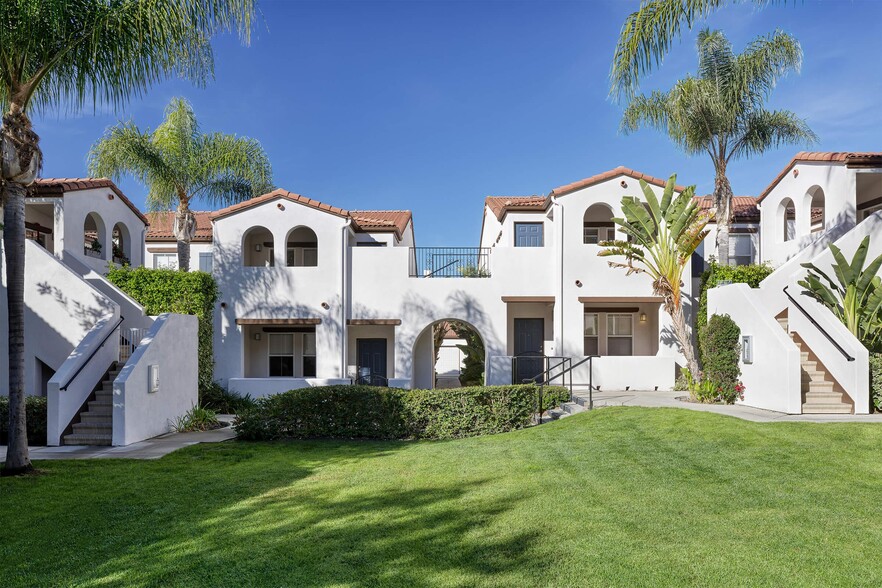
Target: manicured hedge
column 367, row 412
column 876, row 380
column 35, row 417
column 166, row 290
column 720, row 344
column 751, row 275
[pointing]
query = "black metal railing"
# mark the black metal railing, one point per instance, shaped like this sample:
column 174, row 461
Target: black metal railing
column 558, row 367
column 91, row 355
column 816, row 325
column 449, row 262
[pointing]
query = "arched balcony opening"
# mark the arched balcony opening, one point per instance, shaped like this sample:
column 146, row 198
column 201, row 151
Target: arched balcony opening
column 121, row 245
column 597, row 225
column 94, row 236
column 257, row 248
column 301, row 248
column 787, row 220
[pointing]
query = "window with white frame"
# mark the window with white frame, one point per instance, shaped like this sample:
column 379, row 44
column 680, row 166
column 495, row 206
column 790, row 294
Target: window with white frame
column 205, row 262
column 740, row 249
column 308, row 355
column 620, row 334
column 592, row 335
column 281, row 355
column 165, row 261
column 594, row 235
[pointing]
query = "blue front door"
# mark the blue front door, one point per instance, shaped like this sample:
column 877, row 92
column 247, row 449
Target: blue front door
column 528, row 235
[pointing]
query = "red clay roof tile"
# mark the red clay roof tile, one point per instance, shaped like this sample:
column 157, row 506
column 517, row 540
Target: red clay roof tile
column 162, row 223
column 607, row 175
column 58, row 186
column 857, row 159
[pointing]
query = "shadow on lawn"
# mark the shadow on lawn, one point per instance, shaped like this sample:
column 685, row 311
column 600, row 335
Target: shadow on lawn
column 303, row 514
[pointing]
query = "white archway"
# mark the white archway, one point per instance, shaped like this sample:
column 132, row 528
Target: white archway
column 301, row 247
column 597, row 224
column 815, row 208
column 121, row 244
column 427, row 344
column 95, row 237
column 257, row 247
column 786, row 220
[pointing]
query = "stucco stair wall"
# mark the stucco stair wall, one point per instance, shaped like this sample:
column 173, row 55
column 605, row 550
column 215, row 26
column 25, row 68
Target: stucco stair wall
column 95, row 422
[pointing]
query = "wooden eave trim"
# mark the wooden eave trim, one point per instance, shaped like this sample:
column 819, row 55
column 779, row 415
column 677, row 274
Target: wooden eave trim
column 363, row 322
column 162, row 250
column 622, row 299
column 546, row 299
column 279, row 321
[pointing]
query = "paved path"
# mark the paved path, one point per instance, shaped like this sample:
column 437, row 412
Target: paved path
column 149, row 449
column 657, row 399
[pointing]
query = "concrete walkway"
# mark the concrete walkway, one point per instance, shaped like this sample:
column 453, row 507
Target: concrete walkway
column 149, row 449
column 669, row 399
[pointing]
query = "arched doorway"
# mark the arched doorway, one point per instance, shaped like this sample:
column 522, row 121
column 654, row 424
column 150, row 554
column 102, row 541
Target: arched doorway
column 449, row 353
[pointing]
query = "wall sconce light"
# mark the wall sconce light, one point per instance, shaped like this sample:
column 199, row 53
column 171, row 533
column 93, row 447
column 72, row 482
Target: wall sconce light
column 747, row 348
column 258, row 247
column 623, row 184
column 578, row 283
column 326, row 306
column 642, row 317
column 257, row 336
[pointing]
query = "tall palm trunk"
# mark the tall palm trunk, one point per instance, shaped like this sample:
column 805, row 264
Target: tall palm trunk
column 684, row 337
column 20, row 162
column 722, row 200
column 185, row 229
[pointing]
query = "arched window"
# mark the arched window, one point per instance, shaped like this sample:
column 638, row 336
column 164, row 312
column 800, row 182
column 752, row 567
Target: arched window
column 257, row 248
column 598, row 225
column 816, row 209
column 787, row 219
column 94, row 236
column 301, row 248
column 121, row 245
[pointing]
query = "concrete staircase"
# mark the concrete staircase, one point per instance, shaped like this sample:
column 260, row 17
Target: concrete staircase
column 564, row 410
column 95, row 426
column 819, row 390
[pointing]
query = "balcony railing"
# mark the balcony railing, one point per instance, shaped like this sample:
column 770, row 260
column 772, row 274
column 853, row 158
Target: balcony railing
column 450, row 262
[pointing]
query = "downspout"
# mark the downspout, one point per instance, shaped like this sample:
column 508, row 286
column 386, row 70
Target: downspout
column 560, row 350
column 344, row 270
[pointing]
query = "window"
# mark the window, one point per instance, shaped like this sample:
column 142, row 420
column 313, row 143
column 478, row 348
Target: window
column 592, row 346
column 869, row 211
column 308, row 355
column 529, row 235
column 281, row 355
column 740, row 249
column 165, row 261
column 619, row 334
column 595, row 235
column 205, row 262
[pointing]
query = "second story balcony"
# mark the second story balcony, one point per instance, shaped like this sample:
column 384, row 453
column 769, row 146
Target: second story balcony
column 449, row 262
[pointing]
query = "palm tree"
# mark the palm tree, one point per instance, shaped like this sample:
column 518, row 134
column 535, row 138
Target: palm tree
column 648, row 34
column 59, row 54
column 662, row 238
column 720, row 112
column 855, row 297
column 179, row 163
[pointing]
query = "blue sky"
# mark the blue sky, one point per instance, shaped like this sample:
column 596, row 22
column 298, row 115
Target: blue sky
column 431, row 106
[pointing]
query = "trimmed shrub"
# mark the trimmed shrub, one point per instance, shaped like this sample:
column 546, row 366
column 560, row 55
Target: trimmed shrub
column 751, row 275
column 720, row 342
column 35, row 417
column 367, row 412
column 876, row 380
column 167, row 290
column 222, row 401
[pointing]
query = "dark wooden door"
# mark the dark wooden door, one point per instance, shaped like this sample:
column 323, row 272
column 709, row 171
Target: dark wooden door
column 529, row 348
column 372, row 356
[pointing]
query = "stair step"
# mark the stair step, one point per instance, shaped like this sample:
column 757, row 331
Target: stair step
column 572, row 407
column 100, row 407
column 825, row 386
column 93, row 428
column 817, row 397
column 826, row 408
column 809, row 366
column 90, row 439
column 97, row 418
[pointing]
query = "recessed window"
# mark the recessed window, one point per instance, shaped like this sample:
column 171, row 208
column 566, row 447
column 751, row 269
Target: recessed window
column 592, row 340
column 308, row 355
column 302, row 248
column 529, row 235
column 620, row 334
column 740, row 249
column 281, row 355
column 205, row 262
column 165, row 261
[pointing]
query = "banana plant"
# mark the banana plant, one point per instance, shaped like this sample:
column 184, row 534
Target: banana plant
column 663, row 235
column 855, row 296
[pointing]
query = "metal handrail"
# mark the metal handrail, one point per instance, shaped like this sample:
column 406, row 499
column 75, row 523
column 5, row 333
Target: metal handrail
column 817, row 326
column 568, row 370
column 91, row 355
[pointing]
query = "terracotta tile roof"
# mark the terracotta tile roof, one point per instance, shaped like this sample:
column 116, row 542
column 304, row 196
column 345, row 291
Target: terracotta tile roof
column 367, row 221
column 162, row 223
column 58, row 186
column 744, row 208
column 500, row 205
column 278, row 193
column 863, row 159
column 607, row 175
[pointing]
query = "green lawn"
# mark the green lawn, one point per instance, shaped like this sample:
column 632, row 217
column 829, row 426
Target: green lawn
column 625, row 496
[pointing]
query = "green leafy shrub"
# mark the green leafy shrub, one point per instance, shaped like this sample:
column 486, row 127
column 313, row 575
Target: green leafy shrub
column 35, row 417
column 197, row 418
column 166, row 290
column 222, row 401
column 720, row 341
column 751, row 275
column 366, row 412
column 876, row 380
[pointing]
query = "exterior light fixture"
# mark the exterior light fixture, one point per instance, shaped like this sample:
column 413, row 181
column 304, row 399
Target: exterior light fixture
column 257, row 336
column 747, row 348
column 258, row 247
column 642, row 317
